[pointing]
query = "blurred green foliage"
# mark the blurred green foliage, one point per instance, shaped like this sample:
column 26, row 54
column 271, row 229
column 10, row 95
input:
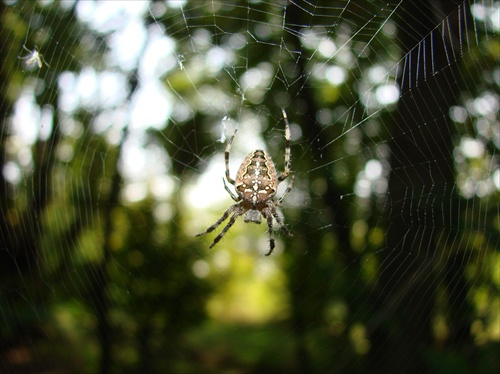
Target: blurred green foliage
column 92, row 282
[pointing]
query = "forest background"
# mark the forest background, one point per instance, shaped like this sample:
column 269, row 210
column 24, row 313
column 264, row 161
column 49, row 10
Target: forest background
column 114, row 117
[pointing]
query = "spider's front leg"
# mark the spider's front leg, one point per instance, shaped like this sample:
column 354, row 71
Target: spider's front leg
column 281, row 223
column 231, row 222
column 268, row 214
column 272, row 210
column 236, row 210
column 226, row 214
column 269, row 219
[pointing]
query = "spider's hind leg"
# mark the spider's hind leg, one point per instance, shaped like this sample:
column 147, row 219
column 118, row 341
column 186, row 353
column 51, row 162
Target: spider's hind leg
column 288, row 189
column 233, row 196
column 285, row 173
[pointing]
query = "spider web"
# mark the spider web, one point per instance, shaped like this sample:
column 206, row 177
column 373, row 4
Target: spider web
column 112, row 154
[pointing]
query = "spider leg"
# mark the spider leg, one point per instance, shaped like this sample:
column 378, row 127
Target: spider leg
column 27, row 56
column 288, row 189
column 232, row 220
column 226, row 156
column 269, row 219
column 228, row 190
column 281, row 224
column 226, row 214
column 43, row 60
column 285, row 173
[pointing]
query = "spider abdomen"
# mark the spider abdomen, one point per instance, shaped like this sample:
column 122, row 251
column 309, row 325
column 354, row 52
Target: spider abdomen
column 256, row 178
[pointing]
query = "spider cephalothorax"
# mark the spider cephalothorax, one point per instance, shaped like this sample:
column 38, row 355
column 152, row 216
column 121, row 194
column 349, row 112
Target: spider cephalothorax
column 256, row 184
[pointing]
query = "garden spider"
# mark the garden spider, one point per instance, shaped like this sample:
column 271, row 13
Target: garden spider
column 256, row 184
column 34, row 58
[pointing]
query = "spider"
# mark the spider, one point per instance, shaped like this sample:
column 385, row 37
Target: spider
column 256, row 184
column 34, row 58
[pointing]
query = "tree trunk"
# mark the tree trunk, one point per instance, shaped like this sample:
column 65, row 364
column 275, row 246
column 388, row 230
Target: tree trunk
column 421, row 186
